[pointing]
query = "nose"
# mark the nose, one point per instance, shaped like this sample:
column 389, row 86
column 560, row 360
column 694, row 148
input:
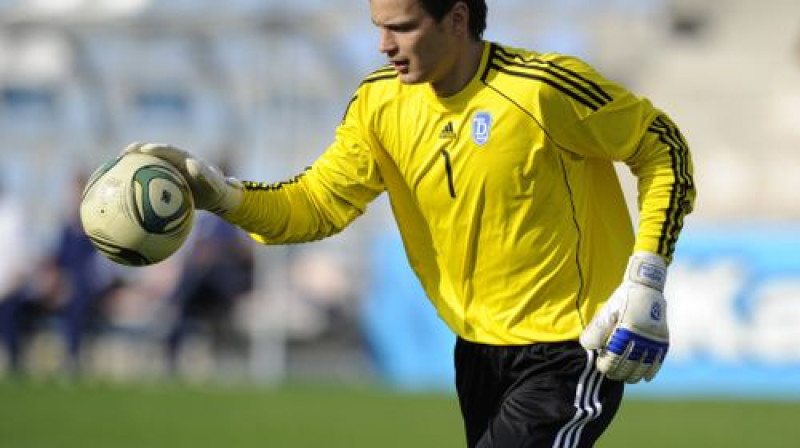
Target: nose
column 386, row 42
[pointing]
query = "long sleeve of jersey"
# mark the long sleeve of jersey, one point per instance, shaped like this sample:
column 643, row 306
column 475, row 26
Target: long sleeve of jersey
column 604, row 120
column 317, row 203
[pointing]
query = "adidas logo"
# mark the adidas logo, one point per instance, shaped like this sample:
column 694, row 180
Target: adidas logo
column 447, row 131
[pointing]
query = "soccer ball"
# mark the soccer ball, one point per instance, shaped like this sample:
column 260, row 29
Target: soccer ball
column 137, row 209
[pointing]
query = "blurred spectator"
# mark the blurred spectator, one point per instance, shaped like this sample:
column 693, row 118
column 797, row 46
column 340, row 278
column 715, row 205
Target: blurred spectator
column 86, row 280
column 67, row 287
column 217, row 272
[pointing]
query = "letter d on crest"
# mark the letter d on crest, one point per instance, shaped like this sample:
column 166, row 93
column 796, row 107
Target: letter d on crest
column 481, row 127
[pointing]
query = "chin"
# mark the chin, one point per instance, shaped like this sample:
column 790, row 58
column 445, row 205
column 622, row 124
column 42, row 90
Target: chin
column 411, row 78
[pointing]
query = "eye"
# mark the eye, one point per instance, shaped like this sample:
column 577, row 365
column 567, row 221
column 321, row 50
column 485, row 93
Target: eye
column 403, row 27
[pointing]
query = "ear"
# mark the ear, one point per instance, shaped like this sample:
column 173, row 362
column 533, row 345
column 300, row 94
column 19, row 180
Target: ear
column 459, row 16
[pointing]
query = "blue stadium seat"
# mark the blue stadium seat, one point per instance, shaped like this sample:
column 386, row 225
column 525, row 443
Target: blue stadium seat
column 157, row 90
column 43, row 101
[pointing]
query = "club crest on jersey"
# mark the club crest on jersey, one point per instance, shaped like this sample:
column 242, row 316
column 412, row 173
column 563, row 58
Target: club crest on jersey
column 481, row 127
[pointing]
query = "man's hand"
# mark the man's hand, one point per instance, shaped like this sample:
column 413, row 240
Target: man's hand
column 211, row 190
column 630, row 331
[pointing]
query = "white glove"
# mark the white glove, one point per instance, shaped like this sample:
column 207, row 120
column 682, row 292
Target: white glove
column 211, row 190
column 630, row 330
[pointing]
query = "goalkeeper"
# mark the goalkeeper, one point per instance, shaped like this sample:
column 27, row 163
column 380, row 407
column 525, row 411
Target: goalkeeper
column 498, row 163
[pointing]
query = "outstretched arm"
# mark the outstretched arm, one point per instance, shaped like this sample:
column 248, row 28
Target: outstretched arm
column 315, row 204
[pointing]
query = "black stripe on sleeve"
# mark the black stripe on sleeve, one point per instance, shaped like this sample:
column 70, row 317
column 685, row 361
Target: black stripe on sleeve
column 679, row 197
column 549, row 81
column 493, row 49
column 378, row 78
column 591, row 87
column 263, row 186
column 559, row 78
column 595, row 87
column 385, row 68
column 347, row 109
column 385, row 72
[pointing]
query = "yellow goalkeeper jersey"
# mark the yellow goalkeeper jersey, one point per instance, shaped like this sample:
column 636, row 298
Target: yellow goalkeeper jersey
column 505, row 193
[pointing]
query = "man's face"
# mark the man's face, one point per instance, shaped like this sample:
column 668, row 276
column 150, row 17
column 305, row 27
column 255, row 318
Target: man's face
column 419, row 48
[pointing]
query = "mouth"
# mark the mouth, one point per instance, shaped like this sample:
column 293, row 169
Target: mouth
column 401, row 66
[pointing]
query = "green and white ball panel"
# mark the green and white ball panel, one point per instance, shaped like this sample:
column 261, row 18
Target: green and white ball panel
column 165, row 197
column 160, row 198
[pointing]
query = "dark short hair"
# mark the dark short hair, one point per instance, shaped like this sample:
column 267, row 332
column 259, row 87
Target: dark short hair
column 477, row 13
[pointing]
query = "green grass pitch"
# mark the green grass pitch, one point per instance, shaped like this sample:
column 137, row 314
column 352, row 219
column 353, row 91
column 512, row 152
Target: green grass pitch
column 86, row 415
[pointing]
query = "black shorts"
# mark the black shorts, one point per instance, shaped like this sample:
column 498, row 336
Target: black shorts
column 540, row 395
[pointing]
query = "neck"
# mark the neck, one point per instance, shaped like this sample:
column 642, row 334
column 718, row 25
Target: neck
column 464, row 69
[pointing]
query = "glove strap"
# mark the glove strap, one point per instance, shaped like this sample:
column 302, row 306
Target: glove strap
column 230, row 197
column 647, row 269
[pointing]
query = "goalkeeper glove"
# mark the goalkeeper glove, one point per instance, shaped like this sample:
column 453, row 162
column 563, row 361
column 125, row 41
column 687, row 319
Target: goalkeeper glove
column 630, row 330
column 211, row 190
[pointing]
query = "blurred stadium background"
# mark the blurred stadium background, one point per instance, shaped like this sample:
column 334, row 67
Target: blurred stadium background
column 260, row 85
